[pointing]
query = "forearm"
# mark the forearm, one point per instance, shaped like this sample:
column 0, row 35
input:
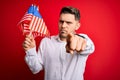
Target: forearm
column 89, row 46
column 33, row 60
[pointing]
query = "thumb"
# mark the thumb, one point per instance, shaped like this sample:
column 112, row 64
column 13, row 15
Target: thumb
column 32, row 39
column 31, row 36
column 70, row 35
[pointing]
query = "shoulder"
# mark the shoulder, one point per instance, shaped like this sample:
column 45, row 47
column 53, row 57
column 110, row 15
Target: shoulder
column 82, row 35
column 85, row 36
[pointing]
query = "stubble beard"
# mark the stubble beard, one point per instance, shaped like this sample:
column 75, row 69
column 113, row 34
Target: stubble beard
column 63, row 36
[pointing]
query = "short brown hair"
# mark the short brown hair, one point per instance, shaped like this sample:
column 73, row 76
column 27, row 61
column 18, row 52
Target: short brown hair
column 71, row 10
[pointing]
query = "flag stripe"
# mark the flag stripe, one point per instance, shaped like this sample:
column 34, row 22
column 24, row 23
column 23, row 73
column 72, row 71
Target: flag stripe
column 40, row 25
column 34, row 24
column 37, row 24
column 31, row 24
column 26, row 17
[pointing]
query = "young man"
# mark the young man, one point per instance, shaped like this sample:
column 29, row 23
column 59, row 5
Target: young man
column 63, row 57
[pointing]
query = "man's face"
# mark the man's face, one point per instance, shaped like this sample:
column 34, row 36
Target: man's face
column 67, row 24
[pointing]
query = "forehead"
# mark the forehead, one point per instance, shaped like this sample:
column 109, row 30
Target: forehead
column 67, row 17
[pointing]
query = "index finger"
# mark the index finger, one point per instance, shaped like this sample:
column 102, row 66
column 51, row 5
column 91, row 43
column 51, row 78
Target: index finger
column 70, row 35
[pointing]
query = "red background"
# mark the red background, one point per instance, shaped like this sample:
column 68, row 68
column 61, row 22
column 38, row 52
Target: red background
column 100, row 20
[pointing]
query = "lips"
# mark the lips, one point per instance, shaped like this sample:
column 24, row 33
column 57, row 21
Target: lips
column 63, row 31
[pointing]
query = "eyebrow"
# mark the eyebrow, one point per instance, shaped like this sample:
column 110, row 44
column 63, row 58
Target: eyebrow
column 65, row 21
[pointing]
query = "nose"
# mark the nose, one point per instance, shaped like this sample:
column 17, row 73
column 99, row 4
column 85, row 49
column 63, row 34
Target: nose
column 64, row 24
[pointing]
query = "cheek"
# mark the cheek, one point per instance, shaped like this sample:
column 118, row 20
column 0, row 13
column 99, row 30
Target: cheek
column 59, row 26
column 72, row 28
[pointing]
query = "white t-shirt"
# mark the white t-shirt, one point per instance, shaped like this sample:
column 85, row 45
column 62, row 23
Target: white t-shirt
column 57, row 63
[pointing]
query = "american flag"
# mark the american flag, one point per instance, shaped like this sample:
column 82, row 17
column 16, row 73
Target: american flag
column 33, row 22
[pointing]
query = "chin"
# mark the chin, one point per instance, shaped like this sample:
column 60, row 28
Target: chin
column 63, row 35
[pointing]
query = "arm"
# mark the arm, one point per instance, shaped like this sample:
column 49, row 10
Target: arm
column 89, row 45
column 32, row 58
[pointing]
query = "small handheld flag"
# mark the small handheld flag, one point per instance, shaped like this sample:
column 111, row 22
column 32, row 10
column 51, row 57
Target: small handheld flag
column 33, row 22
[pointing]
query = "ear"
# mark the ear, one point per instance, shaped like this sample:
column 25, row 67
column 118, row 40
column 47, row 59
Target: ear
column 77, row 26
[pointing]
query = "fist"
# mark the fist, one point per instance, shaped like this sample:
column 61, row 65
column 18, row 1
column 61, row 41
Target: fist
column 29, row 42
column 75, row 43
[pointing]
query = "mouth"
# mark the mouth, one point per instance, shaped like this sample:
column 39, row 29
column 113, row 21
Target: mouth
column 63, row 31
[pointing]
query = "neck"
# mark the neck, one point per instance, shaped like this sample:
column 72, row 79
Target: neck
column 63, row 39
